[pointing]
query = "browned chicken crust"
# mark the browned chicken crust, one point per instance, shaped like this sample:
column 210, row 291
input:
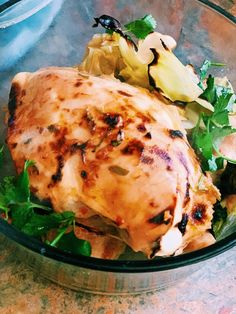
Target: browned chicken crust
column 109, row 150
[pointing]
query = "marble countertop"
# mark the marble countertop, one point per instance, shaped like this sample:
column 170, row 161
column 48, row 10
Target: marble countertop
column 211, row 290
column 208, row 291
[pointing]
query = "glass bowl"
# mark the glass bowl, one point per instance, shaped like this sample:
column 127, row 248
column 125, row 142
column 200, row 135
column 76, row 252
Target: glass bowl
column 21, row 25
column 195, row 27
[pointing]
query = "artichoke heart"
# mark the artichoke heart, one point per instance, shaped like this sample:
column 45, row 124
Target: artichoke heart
column 172, row 77
column 102, row 56
column 155, row 63
column 136, row 70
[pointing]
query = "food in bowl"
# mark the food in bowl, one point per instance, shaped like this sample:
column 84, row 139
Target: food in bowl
column 114, row 158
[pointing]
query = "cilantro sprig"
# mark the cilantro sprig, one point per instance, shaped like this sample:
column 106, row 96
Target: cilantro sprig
column 17, row 207
column 206, row 140
column 142, row 27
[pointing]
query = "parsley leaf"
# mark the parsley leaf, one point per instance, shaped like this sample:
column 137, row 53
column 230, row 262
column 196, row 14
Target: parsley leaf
column 70, row 243
column 209, row 93
column 142, row 27
column 39, row 225
column 15, row 201
column 15, row 197
column 22, row 184
column 206, row 140
column 222, row 107
column 203, row 142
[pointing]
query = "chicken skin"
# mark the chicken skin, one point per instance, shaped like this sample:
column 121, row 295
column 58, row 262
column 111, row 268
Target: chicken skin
column 114, row 154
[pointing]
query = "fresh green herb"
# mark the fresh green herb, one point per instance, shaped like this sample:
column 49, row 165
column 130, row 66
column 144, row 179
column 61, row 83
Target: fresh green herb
column 38, row 225
column 206, row 140
column 209, row 93
column 22, row 186
column 70, row 243
column 15, row 198
column 142, row 27
column 16, row 205
column 204, row 69
column 213, row 91
column 118, row 170
column 224, row 222
column 115, row 143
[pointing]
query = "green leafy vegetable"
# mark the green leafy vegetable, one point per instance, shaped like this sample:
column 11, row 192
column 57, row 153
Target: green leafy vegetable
column 142, row 27
column 224, row 222
column 15, row 197
column 16, row 205
column 70, row 243
column 206, row 140
column 39, row 225
column 209, row 93
column 23, row 184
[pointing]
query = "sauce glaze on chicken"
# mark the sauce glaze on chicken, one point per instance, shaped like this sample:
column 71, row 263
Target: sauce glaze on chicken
column 114, row 154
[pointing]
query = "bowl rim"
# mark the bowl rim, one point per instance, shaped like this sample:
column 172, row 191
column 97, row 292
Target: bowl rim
column 117, row 266
column 121, row 266
column 42, row 4
column 219, row 9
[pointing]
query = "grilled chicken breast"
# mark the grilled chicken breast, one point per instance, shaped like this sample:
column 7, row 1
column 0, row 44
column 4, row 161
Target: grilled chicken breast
column 114, row 154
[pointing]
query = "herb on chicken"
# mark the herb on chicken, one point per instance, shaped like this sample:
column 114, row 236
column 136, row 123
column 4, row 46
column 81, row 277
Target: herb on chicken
column 16, row 206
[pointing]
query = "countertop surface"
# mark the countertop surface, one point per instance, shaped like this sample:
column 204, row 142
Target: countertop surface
column 212, row 289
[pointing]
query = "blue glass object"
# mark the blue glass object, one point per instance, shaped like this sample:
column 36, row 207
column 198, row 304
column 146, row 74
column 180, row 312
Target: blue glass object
column 22, row 25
